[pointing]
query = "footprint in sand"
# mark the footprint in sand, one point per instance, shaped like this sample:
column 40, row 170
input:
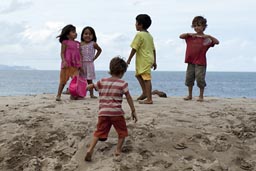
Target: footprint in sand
column 243, row 164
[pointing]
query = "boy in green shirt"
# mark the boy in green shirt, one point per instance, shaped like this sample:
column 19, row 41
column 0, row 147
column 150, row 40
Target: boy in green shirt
column 143, row 46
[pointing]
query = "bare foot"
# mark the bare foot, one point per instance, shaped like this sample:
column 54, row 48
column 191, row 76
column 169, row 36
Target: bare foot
column 58, row 98
column 94, row 97
column 117, row 157
column 88, row 156
column 188, row 98
column 200, row 99
column 142, row 97
column 145, row 102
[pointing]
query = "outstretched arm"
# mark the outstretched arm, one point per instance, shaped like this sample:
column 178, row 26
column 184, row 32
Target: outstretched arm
column 186, row 35
column 214, row 40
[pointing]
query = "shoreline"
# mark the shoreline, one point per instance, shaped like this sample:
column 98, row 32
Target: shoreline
column 36, row 132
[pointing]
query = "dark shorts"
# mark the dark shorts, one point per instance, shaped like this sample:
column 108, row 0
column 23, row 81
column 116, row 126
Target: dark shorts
column 105, row 123
column 196, row 72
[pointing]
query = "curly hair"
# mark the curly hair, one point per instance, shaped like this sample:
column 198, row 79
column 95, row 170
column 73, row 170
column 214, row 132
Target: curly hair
column 199, row 21
column 117, row 66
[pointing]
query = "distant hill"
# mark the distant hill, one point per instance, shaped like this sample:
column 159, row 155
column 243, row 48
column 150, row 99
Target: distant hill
column 7, row 67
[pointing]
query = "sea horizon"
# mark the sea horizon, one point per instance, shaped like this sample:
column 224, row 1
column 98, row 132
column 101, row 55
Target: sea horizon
column 225, row 84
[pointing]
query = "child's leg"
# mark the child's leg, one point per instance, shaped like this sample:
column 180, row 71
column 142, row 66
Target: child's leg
column 88, row 156
column 190, row 79
column 201, row 95
column 121, row 129
column 200, row 73
column 91, row 90
column 148, row 87
column 60, row 89
column 119, row 146
column 143, row 88
column 190, row 90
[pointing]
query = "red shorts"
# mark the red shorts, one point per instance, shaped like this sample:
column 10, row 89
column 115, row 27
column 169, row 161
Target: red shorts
column 105, row 123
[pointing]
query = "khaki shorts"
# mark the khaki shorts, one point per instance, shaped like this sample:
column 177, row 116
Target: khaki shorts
column 146, row 77
column 196, row 72
column 66, row 73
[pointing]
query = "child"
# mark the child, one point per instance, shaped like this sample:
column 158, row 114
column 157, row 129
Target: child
column 197, row 45
column 111, row 92
column 143, row 46
column 70, row 56
column 88, row 46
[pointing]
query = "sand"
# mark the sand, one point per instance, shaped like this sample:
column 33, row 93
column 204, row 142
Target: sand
column 39, row 134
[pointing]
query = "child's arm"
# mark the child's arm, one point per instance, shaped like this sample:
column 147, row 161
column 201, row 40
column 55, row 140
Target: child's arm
column 214, row 40
column 130, row 102
column 90, row 86
column 99, row 50
column 62, row 54
column 133, row 51
column 154, row 64
column 186, row 35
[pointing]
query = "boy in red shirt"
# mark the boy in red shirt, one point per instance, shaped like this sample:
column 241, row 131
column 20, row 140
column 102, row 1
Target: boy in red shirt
column 111, row 92
column 197, row 45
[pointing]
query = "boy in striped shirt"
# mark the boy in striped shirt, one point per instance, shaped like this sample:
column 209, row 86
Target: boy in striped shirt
column 111, row 92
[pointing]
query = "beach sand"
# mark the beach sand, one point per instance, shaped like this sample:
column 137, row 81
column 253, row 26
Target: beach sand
column 39, row 134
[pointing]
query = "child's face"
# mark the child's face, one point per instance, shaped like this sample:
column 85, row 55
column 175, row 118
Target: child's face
column 72, row 35
column 199, row 28
column 138, row 26
column 87, row 36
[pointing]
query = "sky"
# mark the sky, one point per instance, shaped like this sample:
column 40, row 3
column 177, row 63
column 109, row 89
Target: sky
column 29, row 29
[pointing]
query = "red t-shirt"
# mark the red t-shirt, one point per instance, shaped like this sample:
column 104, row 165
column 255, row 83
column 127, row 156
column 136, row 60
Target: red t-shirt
column 196, row 50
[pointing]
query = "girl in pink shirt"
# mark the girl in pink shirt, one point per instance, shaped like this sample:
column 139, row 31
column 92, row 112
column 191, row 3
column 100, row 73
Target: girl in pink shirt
column 70, row 56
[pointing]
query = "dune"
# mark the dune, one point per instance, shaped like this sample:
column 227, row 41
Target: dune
column 39, row 134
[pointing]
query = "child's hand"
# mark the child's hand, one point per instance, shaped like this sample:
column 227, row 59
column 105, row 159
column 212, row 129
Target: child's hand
column 134, row 116
column 81, row 70
column 154, row 66
column 64, row 63
column 128, row 62
column 90, row 87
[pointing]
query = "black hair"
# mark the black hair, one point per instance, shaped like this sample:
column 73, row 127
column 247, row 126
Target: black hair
column 117, row 66
column 199, row 21
column 65, row 31
column 144, row 20
column 92, row 31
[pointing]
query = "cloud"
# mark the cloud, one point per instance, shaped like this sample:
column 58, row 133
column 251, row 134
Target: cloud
column 15, row 5
column 42, row 34
column 11, row 32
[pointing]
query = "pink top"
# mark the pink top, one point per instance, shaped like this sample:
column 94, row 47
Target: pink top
column 72, row 53
column 88, row 52
column 111, row 92
column 196, row 50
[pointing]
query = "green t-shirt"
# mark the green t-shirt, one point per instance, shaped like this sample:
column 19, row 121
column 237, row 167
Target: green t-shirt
column 144, row 45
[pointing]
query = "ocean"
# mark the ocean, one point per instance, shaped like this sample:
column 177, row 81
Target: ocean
column 219, row 84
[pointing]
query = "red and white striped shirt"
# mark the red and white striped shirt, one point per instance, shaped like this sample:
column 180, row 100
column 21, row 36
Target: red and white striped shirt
column 111, row 92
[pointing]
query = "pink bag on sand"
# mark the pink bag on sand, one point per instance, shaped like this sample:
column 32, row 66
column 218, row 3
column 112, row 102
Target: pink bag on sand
column 77, row 86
